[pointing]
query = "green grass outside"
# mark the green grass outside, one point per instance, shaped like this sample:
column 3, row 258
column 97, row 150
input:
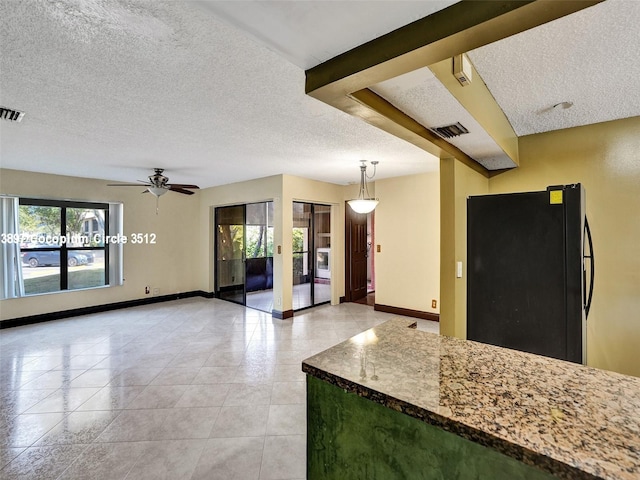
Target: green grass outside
column 77, row 279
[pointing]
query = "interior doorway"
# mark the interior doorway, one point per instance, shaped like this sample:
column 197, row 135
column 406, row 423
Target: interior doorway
column 311, row 254
column 359, row 256
column 371, row 267
column 244, row 254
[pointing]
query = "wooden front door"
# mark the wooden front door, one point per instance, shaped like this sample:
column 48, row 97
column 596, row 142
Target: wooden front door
column 356, row 255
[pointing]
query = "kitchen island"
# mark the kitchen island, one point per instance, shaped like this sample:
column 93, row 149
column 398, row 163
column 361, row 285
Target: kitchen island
column 396, row 402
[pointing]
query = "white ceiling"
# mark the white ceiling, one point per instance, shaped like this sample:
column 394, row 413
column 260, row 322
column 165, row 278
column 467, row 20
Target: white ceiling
column 590, row 58
column 308, row 33
column 214, row 91
column 420, row 95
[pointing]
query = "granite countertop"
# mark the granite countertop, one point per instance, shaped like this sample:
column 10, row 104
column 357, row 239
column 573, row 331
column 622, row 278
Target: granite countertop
column 573, row 421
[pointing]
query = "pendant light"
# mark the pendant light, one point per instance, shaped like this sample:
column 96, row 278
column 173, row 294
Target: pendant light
column 157, row 192
column 364, row 203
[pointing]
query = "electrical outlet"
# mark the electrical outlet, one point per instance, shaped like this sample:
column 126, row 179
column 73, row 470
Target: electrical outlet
column 378, row 248
column 156, row 292
column 278, row 301
column 434, row 303
column 147, row 290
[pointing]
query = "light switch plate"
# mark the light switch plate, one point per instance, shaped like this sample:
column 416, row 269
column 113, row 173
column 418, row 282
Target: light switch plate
column 458, row 269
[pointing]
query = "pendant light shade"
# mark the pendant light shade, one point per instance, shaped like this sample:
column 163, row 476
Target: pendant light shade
column 157, row 191
column 364, row 203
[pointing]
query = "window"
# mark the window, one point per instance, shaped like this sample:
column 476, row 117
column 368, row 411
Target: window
column 59, row 245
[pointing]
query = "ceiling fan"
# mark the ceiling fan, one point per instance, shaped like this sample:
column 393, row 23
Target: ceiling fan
column 158, row 185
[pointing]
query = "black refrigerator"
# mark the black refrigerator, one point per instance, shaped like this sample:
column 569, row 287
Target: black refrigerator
column 530, row 271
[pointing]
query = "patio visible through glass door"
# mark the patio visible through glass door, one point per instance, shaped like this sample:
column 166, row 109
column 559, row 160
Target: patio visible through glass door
column 259, row 256
column 311, row 254
column 230, row 253
column 244, row 254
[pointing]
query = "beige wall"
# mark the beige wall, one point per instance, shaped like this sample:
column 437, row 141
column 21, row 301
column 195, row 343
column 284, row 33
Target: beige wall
column 168, row 265
column 457, row 182
column 183, row 259
column 304, row 190
column 605, row 158
column 396, row 288
column 407, row 228
column 259, row 190
column 283, row 190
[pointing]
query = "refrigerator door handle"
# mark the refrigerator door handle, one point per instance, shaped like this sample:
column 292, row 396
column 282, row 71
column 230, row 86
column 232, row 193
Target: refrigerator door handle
column 589, row 296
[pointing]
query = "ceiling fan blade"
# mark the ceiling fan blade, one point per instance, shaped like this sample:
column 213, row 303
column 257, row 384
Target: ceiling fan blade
column 158, row 185
column 127, row 184
column 180, row 190
column 181, row 185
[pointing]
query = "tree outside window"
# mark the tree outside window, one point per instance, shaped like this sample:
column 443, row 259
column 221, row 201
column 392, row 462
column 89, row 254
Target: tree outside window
column 62, row 245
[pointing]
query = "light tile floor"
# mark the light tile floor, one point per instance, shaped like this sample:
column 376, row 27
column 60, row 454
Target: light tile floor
column 190, row 389
column 263, row 299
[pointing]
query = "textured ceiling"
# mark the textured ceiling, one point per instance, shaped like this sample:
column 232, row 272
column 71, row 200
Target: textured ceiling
column 308, row 33
column 590, row 58
column 112, row 89
column 214, row 91
column 420, row 95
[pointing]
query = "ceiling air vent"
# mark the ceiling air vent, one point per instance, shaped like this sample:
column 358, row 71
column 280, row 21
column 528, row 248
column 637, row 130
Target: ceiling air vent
column 10, row 114
column 450, row 131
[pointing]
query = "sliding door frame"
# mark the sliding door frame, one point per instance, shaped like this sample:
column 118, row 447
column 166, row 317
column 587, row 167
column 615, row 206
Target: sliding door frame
column 312, row 253
column 242, row 300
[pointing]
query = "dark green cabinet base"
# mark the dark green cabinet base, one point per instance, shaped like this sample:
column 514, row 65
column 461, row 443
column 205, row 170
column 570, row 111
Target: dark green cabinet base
column 350, row 437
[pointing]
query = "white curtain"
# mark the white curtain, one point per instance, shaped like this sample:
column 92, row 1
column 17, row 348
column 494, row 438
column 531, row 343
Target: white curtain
column 116, row 225
column 11, row 284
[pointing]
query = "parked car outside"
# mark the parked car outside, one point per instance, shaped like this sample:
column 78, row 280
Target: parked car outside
column 52, row 258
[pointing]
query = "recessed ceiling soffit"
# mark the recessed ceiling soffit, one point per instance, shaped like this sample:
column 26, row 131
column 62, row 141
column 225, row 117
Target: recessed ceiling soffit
column 402, row 82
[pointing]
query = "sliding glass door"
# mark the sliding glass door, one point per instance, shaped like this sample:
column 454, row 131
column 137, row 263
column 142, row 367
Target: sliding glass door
column 302, row 264
column 244, row 254
column 311, row 254
column 230, row 253
column 259, row 256
column 322, row 244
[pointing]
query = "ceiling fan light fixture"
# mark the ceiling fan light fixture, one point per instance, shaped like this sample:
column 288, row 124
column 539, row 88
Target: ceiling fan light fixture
column 364, row 203
column 157, row 191
column 158, row 185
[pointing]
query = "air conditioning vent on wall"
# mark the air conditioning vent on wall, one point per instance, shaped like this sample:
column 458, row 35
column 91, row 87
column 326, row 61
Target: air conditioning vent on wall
column 10, row 114
column 450, row 131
